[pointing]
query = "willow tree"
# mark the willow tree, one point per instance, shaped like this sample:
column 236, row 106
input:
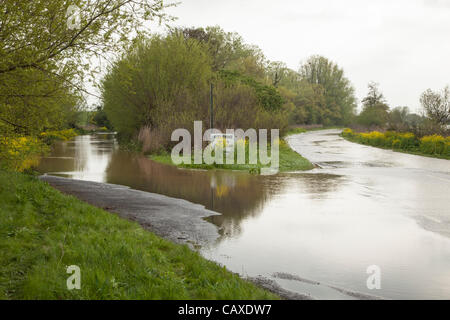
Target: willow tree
column 160, row 84
column 45, row 52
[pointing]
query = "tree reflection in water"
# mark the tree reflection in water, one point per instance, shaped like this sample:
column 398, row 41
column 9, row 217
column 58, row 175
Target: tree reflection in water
column 236, row 195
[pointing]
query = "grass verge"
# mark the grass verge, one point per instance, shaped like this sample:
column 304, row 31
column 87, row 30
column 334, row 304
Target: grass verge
column 428, row 146
column 43, row 231
column 415, row 152
column 289, row 161
column 295, row 130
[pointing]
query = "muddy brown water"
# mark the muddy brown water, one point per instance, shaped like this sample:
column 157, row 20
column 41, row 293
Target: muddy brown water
column 320, row 229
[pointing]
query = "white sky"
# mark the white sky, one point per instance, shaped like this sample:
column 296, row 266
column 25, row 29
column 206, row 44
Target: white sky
column 404, row 45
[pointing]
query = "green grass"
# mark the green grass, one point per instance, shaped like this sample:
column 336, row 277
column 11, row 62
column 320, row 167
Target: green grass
column 296, row 130
column 43, row 231
column 289, row 161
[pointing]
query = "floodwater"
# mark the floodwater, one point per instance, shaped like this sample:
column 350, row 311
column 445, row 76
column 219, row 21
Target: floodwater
column 313, row 232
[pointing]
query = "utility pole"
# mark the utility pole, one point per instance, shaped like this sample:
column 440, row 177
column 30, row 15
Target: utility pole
column 211, row 110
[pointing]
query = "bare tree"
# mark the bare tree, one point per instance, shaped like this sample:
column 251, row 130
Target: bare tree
column 437, row 105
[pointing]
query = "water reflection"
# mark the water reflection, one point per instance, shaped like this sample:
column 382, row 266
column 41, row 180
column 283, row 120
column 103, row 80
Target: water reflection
column 236, row 195
column 84, row 158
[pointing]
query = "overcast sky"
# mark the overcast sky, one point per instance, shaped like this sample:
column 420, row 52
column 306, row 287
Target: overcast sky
column 404, row 45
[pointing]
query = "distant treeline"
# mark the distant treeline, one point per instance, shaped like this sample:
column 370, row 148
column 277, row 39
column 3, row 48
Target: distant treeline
column 376, row 114
column 163, row 82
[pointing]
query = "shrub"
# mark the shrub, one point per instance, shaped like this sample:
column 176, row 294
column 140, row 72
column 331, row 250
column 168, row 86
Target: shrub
column 20, row 153
column 348, row 133
column 50, row 136
column 374, row 138
column 435, row 144
column 396, row 144
column 407, row 140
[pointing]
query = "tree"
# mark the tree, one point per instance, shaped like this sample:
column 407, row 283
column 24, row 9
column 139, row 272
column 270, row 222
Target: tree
column 276, row 71
column 290, row 80
column 32, row 101
column 310, row 104
column 339, row 94
column 268, row 96
column 228, row 50
column 100, row 118
column 398, row 119
column 160, row 83
column 375, row 109
column 44, row 55
column 437, row 105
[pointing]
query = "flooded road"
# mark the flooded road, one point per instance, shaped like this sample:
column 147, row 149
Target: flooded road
column 313, row 232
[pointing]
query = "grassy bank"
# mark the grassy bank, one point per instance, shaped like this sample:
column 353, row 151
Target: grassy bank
column 289, row 161
column 43, row 231
column 429, row 146
column 296, row 130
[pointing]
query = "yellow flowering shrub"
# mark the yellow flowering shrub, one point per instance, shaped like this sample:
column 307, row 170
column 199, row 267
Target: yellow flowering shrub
column 435, row 144
column 373, row 138
column 50, row 136
column 348, row 132
column 396, row 144
column 20, row 153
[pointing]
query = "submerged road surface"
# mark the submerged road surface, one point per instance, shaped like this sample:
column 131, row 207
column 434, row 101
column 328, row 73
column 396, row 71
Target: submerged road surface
column 174, row 219
column 412, row 185
column 316, row 233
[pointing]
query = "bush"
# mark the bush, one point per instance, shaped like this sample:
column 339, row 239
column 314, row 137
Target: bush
column 374, row 138
column 396, row 144
column 50, row 136
column 435, row 144
column 348, row 133
column 408, row 141
column 20, row 153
